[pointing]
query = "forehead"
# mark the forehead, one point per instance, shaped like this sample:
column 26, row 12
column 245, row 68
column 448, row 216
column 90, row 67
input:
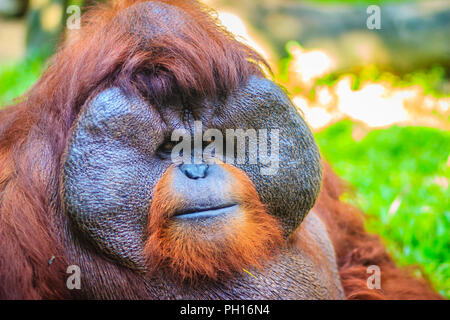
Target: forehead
column 151, row 19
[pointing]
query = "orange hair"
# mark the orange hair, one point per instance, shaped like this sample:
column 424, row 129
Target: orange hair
column 250, row 239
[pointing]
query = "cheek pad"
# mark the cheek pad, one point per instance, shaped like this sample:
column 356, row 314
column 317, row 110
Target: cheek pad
column 109, row 173
column 291, row 192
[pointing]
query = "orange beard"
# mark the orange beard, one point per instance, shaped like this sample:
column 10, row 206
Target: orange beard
column 246, row 241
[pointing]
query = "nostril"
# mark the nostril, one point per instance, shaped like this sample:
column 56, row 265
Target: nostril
column 194, row 171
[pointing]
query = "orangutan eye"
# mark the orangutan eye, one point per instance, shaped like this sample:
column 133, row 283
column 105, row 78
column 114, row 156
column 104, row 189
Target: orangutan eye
column 166, row 147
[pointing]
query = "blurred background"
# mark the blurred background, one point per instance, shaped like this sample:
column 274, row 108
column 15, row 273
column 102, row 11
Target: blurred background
column 372, row 82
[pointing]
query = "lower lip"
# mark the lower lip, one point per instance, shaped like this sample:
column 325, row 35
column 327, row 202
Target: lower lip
column 206, row 213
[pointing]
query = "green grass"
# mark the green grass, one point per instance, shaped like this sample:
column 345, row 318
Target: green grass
column 17, row 77
column 399, row 163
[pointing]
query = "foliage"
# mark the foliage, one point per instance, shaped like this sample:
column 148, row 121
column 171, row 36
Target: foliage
column 433, row 80
column 399, row 166
column 16, row 78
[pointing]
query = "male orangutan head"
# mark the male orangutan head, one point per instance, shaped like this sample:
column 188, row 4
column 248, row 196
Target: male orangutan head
column 166, row 67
